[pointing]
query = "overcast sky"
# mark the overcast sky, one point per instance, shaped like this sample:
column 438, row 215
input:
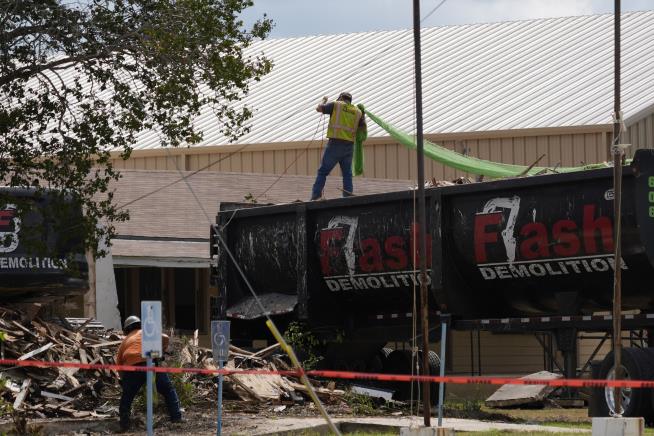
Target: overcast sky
column 319, row 17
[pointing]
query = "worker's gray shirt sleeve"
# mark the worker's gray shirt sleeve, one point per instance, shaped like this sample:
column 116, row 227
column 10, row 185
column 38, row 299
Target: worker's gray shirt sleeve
column 327, row 108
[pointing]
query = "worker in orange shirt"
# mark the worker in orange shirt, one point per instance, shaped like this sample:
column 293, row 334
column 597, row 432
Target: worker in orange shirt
column 129, row 353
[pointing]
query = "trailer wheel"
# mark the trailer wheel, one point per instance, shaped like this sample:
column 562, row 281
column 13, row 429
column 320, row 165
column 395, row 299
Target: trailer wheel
column 399, row 362
column 377, row 363
column 434, row 369
column 635, row 366
column 649, row 361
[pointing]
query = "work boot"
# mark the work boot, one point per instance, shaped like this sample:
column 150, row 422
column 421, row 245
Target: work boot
column 178, row 420
column 124, row 424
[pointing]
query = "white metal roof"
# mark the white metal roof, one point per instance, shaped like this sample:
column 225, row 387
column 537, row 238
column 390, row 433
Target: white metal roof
column 480, row 77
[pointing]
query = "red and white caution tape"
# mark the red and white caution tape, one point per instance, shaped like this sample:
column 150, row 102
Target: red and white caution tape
column 348, row 375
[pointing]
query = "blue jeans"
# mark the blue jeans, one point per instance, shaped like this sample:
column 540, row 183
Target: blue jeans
column 132, row 381
column 336, row 152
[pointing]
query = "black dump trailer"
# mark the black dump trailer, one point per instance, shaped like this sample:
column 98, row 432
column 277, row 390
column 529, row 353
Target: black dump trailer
column 522, row 254
column 42, row 255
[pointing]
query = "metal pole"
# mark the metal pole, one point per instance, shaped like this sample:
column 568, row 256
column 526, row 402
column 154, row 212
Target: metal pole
column 441, row 385
column 220, row 399
column 617, row 203
column 422, row 228
column 149, row 396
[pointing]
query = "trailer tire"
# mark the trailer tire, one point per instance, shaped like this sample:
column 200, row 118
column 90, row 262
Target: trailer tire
column 649, row 417
column 636, row 402
column 399, row 362
column 434, row 370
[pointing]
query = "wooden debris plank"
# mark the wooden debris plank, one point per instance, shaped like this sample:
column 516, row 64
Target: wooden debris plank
column 83, row 325
column 322, row 392
column 47, row 394
column 17, row 324
column 35, row 352
column 266, row 351
column 82, row 356
column 24, row 390
column 72, row 412
column 104, row 344
column 235, row 349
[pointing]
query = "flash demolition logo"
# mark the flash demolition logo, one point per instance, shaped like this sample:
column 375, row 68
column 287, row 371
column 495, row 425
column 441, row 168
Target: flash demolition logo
column 10, row 226
column 566, row 248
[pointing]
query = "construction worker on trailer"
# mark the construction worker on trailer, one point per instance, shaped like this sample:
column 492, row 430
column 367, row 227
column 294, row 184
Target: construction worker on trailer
column 129, row 353
column 344, row 122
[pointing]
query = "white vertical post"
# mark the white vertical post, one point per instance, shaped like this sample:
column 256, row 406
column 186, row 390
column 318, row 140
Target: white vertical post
column 441, row 386
column 149, row 396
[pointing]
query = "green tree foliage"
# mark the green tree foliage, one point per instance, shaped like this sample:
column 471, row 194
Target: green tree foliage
column 79, row 79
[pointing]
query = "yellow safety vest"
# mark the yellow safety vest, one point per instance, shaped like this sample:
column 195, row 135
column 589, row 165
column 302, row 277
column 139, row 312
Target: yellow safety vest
column 344, row 121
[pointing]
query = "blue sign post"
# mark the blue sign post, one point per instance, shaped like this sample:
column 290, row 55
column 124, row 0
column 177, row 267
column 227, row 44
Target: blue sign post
column 220, row 347
column 151, row 347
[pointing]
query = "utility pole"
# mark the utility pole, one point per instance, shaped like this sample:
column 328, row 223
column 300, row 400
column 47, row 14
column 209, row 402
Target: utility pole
column 618, row 151
column 422, row 226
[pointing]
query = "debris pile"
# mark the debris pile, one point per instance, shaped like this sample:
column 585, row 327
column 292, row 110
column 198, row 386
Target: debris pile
column 49, row 392
column 71, row 392
column 264, row 388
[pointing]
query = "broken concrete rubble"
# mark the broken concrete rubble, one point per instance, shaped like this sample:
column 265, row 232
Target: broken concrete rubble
column 518, row 395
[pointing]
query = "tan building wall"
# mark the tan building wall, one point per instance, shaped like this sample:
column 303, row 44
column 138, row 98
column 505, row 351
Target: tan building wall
column 383, row 158
column 640, row 134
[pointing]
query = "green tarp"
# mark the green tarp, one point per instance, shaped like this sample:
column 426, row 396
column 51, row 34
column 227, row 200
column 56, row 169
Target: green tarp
column 456, row 160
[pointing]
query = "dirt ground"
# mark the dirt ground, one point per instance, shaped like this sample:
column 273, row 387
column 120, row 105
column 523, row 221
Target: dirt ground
column 242, row 418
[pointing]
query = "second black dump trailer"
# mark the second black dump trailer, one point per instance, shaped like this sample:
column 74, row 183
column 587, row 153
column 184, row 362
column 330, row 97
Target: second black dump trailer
column 525, row 254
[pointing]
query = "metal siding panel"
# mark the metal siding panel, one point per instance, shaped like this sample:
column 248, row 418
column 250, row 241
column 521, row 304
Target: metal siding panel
column 555, row 150
column 302, row 162
column 269, row 162
column 506, row 150
column 590, row 148
column 237, row 162
column 257, row 162
column 278, row 156
column 191, row 161
column 248, row 162
column 380, row 161
column 633, row 136
column 519, row 152
column 649, row 140
column 567, row 150
column 203, row 160
column 447, row 173
column 542, row 148
column 531, row 149
column 163, row 162
column 578, row 147
column 141, row 164
column 290, row 160
column 402, row 162
column 510, row 354
column 495, row 148
column 484, row 149
column 392, row 167
column 313, row 161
